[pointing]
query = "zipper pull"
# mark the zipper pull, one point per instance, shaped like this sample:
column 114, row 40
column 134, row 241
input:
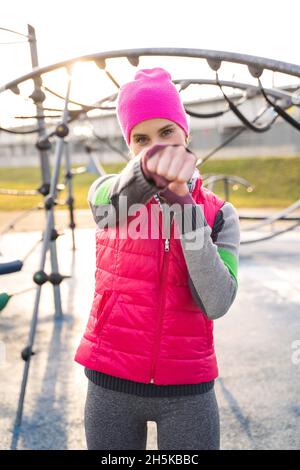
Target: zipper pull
column 167, row 244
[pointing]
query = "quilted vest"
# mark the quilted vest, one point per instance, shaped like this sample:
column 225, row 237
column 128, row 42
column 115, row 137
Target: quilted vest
column 144, row 324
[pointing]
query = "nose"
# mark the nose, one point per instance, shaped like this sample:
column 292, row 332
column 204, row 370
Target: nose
column 158, row 142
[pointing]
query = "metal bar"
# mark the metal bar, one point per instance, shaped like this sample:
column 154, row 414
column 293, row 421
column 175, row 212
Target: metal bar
column 276, row 93
column 262, row 217
column 276, row 216
column 245, row 59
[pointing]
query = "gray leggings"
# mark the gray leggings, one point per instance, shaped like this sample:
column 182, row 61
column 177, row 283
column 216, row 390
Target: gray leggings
column 118, row 420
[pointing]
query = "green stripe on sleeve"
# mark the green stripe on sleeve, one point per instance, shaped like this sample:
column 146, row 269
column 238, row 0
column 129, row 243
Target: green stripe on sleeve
column 101, row 195
column 230, row 261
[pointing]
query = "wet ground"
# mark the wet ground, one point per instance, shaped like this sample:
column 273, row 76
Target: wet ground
column 258, row 389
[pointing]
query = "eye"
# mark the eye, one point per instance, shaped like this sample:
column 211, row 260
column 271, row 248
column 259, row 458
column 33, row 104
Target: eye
column 138, row 139
column 168, row 130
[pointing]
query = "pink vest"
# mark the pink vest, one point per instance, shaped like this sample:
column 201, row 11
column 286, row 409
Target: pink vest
column 144, row 324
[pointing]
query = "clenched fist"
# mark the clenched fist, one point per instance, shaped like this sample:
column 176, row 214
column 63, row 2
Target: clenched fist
column 172, row 164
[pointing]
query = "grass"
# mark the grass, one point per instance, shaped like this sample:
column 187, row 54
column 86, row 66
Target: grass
column 276, row 181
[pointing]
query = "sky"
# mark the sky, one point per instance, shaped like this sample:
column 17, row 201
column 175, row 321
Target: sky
column 67, row 29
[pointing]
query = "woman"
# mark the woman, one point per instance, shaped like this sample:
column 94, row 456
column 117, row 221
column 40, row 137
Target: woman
column 148, row 347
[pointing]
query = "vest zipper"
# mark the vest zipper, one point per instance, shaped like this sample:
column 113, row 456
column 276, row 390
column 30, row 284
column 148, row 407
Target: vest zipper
column 162, row 303
column 167, row 244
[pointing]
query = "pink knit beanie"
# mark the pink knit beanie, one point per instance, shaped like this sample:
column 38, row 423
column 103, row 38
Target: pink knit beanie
column 150, row 95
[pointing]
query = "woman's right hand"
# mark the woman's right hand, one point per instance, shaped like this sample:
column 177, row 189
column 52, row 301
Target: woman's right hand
column 169, row 166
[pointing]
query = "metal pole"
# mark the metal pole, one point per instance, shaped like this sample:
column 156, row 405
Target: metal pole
column 38, row 97
column 70, row 198
column 46, row 241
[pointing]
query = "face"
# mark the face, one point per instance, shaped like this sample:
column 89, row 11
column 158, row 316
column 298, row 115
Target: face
column 155, row 131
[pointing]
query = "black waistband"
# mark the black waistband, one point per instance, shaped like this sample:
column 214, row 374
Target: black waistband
column 143, row 389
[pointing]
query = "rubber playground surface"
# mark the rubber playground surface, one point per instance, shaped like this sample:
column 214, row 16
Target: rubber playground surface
column 258, row 387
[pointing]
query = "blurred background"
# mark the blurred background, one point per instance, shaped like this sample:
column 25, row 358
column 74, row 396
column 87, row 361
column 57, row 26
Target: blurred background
column 258, row 341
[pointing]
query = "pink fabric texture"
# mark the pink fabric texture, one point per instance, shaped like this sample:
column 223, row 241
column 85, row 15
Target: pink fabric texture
column 150, row 95
column 144, row 323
